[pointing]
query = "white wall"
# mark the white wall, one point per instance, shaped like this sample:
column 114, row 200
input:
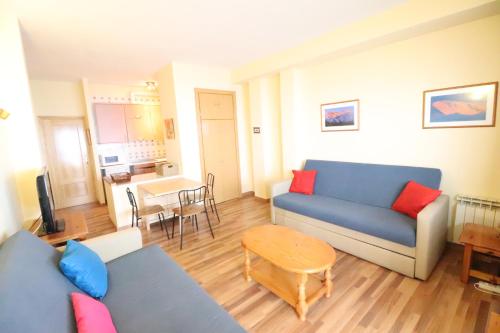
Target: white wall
column 389, row 82
column 19, row 148
column 57, row 98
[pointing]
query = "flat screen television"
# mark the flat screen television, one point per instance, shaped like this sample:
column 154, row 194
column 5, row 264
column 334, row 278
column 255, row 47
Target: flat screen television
column 46, row 200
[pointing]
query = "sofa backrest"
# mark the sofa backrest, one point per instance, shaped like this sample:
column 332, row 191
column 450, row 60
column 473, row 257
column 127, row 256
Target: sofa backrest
column 371, row 184
column 34, row 294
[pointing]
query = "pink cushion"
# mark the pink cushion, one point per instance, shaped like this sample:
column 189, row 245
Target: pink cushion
column 91, row 315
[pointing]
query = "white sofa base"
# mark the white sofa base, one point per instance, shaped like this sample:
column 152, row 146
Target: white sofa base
column 349, row 241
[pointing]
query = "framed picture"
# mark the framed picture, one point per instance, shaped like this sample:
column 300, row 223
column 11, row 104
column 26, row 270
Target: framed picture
column 169, row 127
column 340, row 116
column 465, row 106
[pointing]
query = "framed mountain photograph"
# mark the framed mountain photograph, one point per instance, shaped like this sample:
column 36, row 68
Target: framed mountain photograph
column 465, row 106
column 340, row 116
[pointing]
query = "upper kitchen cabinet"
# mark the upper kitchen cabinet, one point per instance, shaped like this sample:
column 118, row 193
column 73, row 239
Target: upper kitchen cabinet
column 138, row 123
column 156, row 121
column 110, row 123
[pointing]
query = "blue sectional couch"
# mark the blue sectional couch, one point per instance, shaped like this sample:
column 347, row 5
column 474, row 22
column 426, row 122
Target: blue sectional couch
column 351, row 208
column 148, row 291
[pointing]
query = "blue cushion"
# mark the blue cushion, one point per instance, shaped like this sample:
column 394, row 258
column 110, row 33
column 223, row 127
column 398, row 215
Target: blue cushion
column 34, row 295
column 376, row 221
column 372, row 184
column 85, row 269
column 149, row 292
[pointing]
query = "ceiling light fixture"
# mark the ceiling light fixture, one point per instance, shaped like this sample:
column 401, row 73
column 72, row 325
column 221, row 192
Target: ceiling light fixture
column 4, row 114
column 151, row 85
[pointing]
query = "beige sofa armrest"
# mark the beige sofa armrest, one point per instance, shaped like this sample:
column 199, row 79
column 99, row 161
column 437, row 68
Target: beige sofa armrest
column 277, row 189
column 432, row 227
column 114, row 245
column 280, row 187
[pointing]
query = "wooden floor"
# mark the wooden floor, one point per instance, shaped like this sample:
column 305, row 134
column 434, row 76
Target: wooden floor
column 366, row 297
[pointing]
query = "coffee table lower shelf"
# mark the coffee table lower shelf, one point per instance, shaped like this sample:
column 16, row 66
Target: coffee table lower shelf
column 285, row 284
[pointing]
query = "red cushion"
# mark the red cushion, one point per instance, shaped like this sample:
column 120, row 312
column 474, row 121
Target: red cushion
column 303, row 181
column 414, row 198
column 91, row 315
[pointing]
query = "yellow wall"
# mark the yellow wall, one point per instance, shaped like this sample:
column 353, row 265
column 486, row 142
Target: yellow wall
column 166, row 90
column 389, row 81
column 57, row 98
column 266, row 147
column 409, row 19
column 19, row 149
column 182, row 80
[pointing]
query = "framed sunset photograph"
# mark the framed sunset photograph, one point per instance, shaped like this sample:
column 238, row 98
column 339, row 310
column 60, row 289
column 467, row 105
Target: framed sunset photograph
column 340, row 116
column 464, row 106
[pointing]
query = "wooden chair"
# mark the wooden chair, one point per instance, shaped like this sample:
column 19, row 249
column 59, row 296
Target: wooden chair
column 191, row 203
column 139, row 214
column 210, row 194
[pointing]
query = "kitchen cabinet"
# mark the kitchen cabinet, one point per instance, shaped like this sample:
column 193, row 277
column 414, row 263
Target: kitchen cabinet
column 138, row 123
column 121, row 123
column 156, row 121
column 110, row 123
column 144, row 122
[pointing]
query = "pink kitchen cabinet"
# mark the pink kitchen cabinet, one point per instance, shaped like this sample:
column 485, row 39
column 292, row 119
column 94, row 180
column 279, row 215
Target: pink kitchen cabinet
column 110, row 122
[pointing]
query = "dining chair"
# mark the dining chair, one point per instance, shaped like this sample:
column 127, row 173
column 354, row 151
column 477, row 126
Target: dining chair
column 191, row 203
column 210, row 194
column 139, row 214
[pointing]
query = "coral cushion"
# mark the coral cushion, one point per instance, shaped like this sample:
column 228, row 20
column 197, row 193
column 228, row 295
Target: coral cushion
column 414, row 198
column 303, row 181
column 85, row 269
column 91, row 315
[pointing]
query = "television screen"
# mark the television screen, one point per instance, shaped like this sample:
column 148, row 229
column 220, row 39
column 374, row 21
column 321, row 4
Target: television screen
column 46, row 200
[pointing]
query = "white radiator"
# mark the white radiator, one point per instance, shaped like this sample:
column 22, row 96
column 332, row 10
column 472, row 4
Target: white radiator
column 476, row 210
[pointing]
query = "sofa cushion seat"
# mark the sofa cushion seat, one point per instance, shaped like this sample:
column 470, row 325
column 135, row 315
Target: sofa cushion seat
column 149, row 292
column 34, row 294
column 375, row 221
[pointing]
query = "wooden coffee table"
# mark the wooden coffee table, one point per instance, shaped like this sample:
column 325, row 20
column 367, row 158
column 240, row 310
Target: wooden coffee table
column 288, row 260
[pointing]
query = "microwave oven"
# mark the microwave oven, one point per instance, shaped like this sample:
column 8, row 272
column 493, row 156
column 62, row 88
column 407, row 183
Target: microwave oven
column 106, row 160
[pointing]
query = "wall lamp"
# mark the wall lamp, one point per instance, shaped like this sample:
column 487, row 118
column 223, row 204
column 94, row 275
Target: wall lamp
column 151, row 85
column 4, row 114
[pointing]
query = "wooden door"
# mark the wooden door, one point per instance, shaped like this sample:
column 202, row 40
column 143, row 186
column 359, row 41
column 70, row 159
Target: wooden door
column 110, row 123
column 67, row 158
column 138, row 123
column 219, row 143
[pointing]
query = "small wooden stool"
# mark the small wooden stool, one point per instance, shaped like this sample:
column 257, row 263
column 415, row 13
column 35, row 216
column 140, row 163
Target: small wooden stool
column 483, row 239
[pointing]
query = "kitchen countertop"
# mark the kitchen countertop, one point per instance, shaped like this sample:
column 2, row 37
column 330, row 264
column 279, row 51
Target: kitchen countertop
column 145, row 161
column 139, row 179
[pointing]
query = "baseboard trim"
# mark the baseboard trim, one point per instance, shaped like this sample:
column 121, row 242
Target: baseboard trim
column 248, row 194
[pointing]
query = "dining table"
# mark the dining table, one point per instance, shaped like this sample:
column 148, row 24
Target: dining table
column 165, row 192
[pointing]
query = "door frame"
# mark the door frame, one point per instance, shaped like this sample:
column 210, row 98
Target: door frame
column 197, row 91
column 88, row 141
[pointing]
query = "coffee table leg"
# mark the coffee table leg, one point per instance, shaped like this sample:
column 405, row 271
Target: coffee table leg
column 466, row 263
column 301, row 307
column 328, row 282
column 247, row 265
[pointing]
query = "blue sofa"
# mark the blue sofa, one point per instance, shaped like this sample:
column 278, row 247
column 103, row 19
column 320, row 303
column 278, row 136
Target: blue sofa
column 148, row 291
column 351, row 209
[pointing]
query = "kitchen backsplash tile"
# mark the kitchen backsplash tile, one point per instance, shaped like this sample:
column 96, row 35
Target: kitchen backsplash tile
column 139, row 150
column 133, row 151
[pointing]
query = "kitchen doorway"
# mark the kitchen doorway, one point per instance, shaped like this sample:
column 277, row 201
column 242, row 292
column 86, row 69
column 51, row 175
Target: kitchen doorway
column 219, row 141
column 66, row 154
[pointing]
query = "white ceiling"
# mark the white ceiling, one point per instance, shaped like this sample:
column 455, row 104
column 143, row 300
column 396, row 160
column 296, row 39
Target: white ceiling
column 123, row 40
